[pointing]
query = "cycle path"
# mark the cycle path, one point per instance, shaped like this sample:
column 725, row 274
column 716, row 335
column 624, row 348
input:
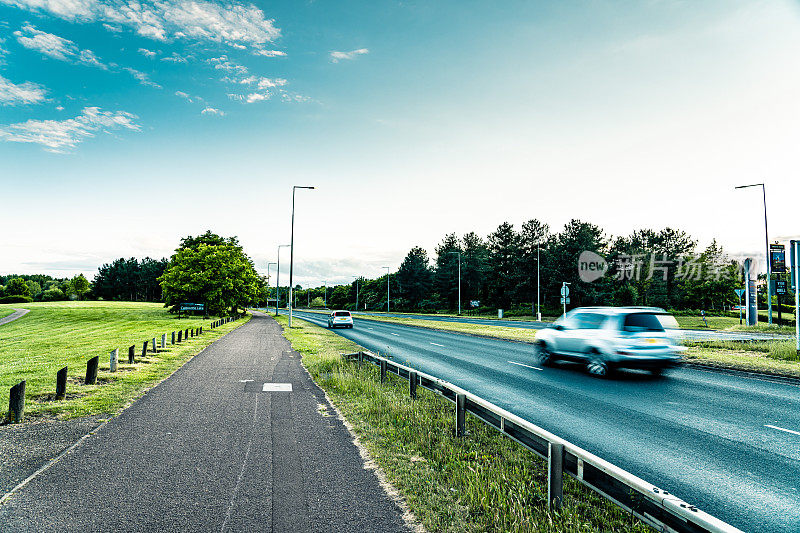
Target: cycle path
column 209, row 450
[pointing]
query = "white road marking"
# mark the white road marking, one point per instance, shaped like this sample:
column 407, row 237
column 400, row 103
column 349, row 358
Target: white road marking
column 245, row 380
column 526, row 366
column 783, row 429
column 435, row 344
column 395, row 334
column 277, row 387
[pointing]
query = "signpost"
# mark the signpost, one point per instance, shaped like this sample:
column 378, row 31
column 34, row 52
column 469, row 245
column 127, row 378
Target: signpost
column 564, row 295
column 777, row 258
column 739, row 293
column 191, row 307
column 751, row 310
column 794, row 251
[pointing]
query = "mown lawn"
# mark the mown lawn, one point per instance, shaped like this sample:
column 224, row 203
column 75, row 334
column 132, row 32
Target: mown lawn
column 5, row 311
column 57, row 334
column 483, row 482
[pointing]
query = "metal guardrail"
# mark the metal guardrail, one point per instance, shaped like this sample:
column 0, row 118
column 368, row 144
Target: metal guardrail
column 653, row 505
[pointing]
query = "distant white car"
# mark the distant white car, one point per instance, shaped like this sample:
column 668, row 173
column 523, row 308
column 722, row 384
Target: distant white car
column 605, row 338
column 340, row 319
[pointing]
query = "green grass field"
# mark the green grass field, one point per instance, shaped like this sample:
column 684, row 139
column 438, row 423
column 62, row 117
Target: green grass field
column 482, row 482
column 57, row 334
column 5, row 311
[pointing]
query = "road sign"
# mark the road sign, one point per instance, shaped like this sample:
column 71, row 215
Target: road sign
column 780, row 286
column 475, row 303
column 192, row 307
column 739, row 292
column 564, row 291
column 777, row 258
column 565, row 300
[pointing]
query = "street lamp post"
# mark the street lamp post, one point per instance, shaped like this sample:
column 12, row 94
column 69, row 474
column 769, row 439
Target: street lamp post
column 326, row 293
column 276, row 287
column 291, row 252
column 459, row 280
column 278, row 280
column 387, row 288
column 538, row 301
column 357, row 294
column 766, row 240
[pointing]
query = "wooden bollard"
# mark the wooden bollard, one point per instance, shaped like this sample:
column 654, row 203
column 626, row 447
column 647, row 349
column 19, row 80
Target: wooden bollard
column 131, row 354
column 180, row 336
column 91, row 370
column 383, row 371
column 112, row 363
column 144, row 349
column 155, row 349
column 16, row 403
column 201, row 330
column 61, row 384
column 164, row 341
column 173, row 337
column 186, row 334
column 412, row 385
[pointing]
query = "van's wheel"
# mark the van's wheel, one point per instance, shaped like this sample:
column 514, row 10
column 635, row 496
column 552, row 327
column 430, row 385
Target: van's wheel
column 543, row 354
column 596, row 365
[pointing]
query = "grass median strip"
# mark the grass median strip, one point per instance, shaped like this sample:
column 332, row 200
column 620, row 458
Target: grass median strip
column 497, row 332
column 482, row 482
column 58, row 334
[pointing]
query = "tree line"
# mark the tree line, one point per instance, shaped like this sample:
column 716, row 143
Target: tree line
column 19, row 288
column 663, row 268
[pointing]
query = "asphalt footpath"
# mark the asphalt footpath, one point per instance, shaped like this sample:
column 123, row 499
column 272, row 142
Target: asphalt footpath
column 210, row 450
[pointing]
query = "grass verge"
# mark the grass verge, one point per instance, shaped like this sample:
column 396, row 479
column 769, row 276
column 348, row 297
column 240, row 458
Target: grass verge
column 5, row 311
column 483, row 482
column 498, row 332
column 771, row 357
column 58, row 334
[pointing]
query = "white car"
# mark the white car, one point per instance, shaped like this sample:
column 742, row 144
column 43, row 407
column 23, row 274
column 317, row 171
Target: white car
column 605, row 338
column 340, row 318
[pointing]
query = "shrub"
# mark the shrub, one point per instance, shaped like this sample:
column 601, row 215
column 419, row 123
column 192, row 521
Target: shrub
column 16, row 299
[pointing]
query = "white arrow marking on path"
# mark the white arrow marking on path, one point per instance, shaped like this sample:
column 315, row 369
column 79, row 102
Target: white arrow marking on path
column 526, row 366
column 245, row 380
column 395, row 334
column 442, row 345
column 782, row 429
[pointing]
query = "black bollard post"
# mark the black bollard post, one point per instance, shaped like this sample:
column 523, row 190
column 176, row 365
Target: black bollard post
column 91, row 370
column 383, row 371
column 144, row 349
column 16, row 403
column 173, row 337
column 461, row 412
column 131, row 355
column 412, row 385
column 61, row 384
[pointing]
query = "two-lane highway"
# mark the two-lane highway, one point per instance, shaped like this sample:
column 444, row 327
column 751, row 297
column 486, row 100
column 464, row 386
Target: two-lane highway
column 729, row 444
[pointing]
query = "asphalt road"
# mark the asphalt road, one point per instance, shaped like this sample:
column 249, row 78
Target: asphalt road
column 209, row 450
column 688, row 334
column 728, row 444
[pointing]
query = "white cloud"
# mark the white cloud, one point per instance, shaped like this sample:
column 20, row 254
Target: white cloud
column 147, row 53
column 21, row 94
column 189, row 98
column 183, row 95
column 222, row 63
column 115, row 29
column 143, row 78
column 269, row 53
column 336, row 56
column 256, row 97
column 175, row 58
column 233, row 23
column 56, row 47
column 60, row 135
column 212, row 111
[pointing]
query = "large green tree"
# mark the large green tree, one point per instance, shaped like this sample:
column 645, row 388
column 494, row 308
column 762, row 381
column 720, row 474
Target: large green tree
column 415, row 278
column 445, row 278
column 212, row 270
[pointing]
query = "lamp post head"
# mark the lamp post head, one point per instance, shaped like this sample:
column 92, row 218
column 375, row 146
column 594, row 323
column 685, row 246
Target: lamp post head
column 751, row 185
column 302, row 187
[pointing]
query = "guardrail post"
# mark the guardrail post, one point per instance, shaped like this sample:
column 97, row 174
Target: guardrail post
column 131, row 354
column 91, row 370
column 16, row 403
column 113, row 359
column 412, row 385
column 555, row 475
column 383, row 371
column 61, row 384
column 144, row 349
column 461, row 414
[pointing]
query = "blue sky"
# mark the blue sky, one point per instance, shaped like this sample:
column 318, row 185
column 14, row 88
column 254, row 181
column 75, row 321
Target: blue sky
column 125, row 125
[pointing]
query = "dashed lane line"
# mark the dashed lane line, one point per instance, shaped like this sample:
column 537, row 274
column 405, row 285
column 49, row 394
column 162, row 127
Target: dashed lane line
column 526, row 366
column 437, row 344
column 782, row 429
